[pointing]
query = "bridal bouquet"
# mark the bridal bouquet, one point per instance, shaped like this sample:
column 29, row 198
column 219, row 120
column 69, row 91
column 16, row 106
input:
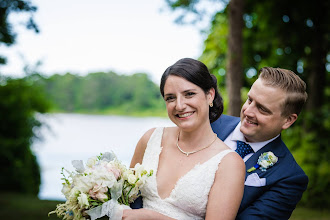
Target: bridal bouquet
column 104, row 187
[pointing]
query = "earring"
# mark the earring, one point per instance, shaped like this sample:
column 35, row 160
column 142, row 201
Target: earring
column 211, row 104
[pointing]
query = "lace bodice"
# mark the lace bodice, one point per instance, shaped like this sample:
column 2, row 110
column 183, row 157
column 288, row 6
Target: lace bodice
column 189, row 197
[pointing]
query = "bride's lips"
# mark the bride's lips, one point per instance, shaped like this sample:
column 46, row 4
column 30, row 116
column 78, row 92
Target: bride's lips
column 184, row 115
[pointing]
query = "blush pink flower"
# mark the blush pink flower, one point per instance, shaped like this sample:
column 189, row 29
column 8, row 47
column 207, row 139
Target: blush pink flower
column 116, row 172
column 98, row 192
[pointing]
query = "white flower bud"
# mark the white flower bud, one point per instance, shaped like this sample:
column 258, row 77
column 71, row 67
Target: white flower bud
column 131, row 179
column 83, row 200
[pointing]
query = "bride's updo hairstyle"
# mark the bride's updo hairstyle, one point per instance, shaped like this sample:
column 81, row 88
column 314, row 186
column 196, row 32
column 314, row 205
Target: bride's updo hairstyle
column 197, row 73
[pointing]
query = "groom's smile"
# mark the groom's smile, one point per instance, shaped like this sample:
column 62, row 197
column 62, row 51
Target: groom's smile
column 249, row 121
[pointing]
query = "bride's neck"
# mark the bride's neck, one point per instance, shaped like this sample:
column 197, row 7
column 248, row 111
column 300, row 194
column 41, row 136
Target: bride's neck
column 197, row 136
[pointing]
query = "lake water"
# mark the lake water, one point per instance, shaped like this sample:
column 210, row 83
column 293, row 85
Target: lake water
column 68, row 137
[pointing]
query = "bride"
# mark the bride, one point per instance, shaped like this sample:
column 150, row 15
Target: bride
column 196, row 176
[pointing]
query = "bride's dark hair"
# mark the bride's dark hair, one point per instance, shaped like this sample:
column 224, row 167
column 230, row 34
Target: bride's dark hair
column 197, row 73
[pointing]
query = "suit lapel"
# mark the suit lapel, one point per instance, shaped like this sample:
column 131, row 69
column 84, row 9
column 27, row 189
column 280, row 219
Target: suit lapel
column 224, row 126
column 274, row 146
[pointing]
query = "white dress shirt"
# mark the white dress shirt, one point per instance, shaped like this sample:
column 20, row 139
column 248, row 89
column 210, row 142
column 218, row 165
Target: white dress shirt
column 237, row 135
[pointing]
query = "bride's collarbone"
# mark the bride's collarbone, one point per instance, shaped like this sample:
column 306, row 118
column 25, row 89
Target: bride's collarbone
column 176, row 166
column 170, row 173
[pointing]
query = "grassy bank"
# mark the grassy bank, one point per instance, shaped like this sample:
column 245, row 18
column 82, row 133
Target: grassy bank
column 301, row 213
column 16, row 206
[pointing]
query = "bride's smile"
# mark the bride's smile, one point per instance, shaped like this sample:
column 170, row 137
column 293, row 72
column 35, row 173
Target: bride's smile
column 187, row 104
column 184, row 115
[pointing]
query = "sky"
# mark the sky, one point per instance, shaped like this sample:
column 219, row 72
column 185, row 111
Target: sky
column 82, row 36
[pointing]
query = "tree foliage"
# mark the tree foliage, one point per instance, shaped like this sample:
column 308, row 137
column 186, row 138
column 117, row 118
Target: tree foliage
column 99, row 92
column 7, row 33
column 20, row 101
column 289, row 34
column 294, row 35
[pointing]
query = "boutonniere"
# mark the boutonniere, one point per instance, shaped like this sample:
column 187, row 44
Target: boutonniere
column 266, row 159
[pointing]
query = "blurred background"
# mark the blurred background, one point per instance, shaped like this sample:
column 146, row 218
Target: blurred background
column 78, row 78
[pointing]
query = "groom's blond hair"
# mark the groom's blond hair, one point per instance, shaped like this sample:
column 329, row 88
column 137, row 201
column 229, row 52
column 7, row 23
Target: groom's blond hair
column 289, row 82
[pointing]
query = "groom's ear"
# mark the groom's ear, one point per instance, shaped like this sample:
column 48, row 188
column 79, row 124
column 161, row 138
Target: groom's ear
column 290, row 119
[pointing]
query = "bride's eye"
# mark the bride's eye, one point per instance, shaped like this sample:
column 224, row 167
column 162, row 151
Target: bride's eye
column 169, row 98
column 189, row 94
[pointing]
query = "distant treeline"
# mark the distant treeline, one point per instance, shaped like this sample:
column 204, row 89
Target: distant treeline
column 102, row 93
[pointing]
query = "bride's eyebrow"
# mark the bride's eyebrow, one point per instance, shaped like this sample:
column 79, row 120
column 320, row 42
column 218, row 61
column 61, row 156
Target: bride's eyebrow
column 189, row 90
column 185, row 91
column 168, row 94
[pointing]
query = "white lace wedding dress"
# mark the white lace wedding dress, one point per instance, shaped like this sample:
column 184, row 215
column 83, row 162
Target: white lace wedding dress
column 189, row 197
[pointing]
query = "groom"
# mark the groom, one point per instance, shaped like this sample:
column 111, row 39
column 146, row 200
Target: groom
column 274, row 102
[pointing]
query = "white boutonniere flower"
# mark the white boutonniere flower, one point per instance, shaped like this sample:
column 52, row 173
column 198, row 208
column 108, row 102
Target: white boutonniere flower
column 266, row 160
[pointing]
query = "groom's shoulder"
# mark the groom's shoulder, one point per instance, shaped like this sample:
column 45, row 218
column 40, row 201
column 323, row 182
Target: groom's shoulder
column 224, row 125
column 227, row 119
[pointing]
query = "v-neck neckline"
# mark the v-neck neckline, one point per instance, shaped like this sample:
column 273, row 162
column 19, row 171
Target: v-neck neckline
column 184, row 175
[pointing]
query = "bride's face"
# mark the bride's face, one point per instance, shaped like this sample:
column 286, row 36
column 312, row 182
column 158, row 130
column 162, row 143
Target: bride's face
column 187, row 104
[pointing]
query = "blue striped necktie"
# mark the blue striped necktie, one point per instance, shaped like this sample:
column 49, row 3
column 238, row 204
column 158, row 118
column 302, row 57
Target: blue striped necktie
column 243, row 149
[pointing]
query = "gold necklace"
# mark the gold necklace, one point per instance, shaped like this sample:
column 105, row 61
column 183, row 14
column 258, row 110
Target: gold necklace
column 191, row 152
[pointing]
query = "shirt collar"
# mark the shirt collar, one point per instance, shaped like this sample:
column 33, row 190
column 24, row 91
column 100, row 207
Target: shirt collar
column 238, row 136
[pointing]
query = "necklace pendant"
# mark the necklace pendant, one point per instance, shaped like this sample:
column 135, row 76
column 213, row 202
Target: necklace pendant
column 188, row 153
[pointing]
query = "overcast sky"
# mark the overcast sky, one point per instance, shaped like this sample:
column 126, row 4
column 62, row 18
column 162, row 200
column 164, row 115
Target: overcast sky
column 82, row 36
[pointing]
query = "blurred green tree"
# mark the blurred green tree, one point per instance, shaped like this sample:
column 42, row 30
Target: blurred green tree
column 20, row 100
column 62, row 90
column 294, row 35
column 7, row 34
column 289, row 34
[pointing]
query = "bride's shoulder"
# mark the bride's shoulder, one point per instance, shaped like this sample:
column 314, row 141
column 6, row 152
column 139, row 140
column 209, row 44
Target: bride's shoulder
column 232, row 162
column 141, row 147
column 168, row 132
column 171, row 130
column 146, row 136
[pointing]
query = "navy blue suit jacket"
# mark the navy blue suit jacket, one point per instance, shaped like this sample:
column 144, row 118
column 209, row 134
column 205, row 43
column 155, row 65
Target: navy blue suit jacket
column 285, row 181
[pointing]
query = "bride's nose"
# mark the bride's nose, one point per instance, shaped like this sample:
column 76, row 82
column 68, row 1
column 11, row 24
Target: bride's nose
column 180, row 104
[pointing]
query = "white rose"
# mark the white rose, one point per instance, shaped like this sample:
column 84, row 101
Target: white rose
column 83, row 183
column 139, row 169
column 272, row 157
column 131, row 179
column 91, row 162
column 264, row 163
column 127, row 173
column 83, row 200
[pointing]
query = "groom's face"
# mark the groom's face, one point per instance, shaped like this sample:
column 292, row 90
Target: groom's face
column 261, row 117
